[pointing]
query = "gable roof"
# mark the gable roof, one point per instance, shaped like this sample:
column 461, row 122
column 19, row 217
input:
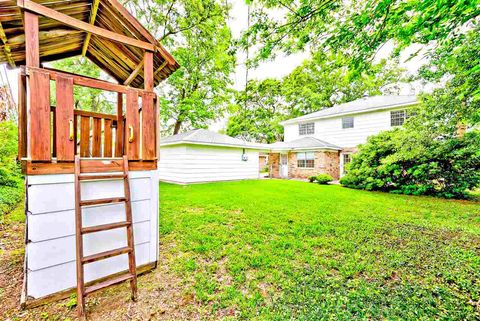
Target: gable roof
column 206, row 137
column 58, row 40
column 361, row 105
column 304, row 143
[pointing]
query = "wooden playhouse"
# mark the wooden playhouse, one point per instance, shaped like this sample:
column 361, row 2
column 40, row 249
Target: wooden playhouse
column 91, row 183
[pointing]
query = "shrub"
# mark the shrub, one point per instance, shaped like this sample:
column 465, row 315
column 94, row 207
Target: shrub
column 312, row 179
column 324, row 179
column 406, row 162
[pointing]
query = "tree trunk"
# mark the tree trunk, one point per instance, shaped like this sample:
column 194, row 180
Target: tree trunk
column 178, row 124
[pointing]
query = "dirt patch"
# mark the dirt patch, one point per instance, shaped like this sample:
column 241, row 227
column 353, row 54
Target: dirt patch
column 161, row 294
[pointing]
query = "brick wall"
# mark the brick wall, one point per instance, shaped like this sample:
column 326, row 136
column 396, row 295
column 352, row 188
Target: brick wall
column 325, row 163
column 274, row 164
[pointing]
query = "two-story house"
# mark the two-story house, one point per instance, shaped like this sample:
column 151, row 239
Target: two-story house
column 323, row 141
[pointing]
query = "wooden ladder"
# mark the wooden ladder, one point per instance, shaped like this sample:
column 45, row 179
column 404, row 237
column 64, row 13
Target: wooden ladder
column 131, row 275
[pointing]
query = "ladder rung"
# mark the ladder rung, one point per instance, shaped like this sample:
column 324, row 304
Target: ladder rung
column 104, row 227
column 107, row 283
column 105, row 255
column 98, row 177
column 103, row 201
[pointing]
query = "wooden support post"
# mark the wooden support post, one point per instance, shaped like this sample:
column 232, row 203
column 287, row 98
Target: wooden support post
column 22, row 116
column 120, row 131
column 148, row 71
column 32, row 47
column 148, row 126
column 64, row 137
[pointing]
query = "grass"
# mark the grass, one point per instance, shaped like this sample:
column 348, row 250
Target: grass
column 280, row 250
column 10, row 196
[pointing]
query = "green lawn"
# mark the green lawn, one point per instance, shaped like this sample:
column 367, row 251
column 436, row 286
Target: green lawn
column 276, row 249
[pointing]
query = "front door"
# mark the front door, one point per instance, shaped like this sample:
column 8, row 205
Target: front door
column 283, row 165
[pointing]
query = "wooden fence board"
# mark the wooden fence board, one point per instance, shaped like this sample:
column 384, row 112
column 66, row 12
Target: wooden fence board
column 148, row 127
column 64, row 119
column 107, row 138
column 132, row 130
column 22, row 116
column 97, row 137
column 84, row 136
column 39, row 114
column 119, row 133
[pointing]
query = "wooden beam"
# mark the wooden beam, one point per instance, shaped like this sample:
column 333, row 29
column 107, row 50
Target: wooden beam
column 148, row 81
column 6, row 47
column 78, row 24
column 84, row 81
column 93, row 16
column 32, row 46
column 160, row 68
column 92, row 165
column 134, row 73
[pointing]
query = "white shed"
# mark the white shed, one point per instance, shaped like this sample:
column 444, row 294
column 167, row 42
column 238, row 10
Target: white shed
column 204, row 156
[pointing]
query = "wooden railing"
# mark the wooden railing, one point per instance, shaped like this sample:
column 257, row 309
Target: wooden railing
column 59, row 133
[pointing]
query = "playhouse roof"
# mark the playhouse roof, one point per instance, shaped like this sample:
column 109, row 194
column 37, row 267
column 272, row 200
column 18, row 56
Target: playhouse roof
column 59, row 40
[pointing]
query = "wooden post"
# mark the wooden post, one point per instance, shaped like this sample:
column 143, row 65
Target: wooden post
column 32, row 51
column 148, row 70
column 120, row 131
column 22, row 115
column 148, row 126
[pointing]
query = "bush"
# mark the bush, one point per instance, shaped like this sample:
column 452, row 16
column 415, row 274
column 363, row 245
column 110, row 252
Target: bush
column 323, row 179
column 406, row 162
column 312, row 179
column 11, row 190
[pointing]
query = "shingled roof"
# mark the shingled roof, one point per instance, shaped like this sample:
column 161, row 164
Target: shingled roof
column 58, row 40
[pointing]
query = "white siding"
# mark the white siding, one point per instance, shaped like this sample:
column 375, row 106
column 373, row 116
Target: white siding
column 199, row 163
column 330, row 129
column 50, row 250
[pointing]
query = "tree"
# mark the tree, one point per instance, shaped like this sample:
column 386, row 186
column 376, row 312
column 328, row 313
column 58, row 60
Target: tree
column 320, row 82
column 326, row 80
column 197, row 34
column 358, row 29
column 257, row 112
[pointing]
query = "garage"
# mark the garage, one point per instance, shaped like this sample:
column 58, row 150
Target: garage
column 201, row 155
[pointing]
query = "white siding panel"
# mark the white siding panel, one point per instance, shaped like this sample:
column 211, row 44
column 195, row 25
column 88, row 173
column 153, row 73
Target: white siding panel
column 50, row 250
column 197, row 163
column 330, row 129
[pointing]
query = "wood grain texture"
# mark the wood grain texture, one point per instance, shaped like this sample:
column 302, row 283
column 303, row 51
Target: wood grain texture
column 22, row 116
column 119, row 133
column 39, row 116
column 148, row 127
column 32, row 47
column 88, row 166
column 107, row 138
column 84, row 136
column 64, row 119
column 132, row 130
column 97, row 137
column 148, row 71
column 79, row 242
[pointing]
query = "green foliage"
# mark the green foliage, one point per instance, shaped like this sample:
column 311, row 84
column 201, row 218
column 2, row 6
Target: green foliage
column 320, row 82
column 313, row 252
column 257, row 112
column 11, row 191
column 312, row 179
column 199, row 38
column 86, row 98
column 403, row 161
column 323, row 179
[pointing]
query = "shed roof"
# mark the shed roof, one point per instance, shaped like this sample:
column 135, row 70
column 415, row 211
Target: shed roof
column 58, row 40
column 207, row 137
column 304, row 143
column 358, row 106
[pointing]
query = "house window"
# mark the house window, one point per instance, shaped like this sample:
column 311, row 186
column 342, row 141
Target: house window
column 306, row 129
column 305, row 160
column 347, row 122
column 397, row 117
